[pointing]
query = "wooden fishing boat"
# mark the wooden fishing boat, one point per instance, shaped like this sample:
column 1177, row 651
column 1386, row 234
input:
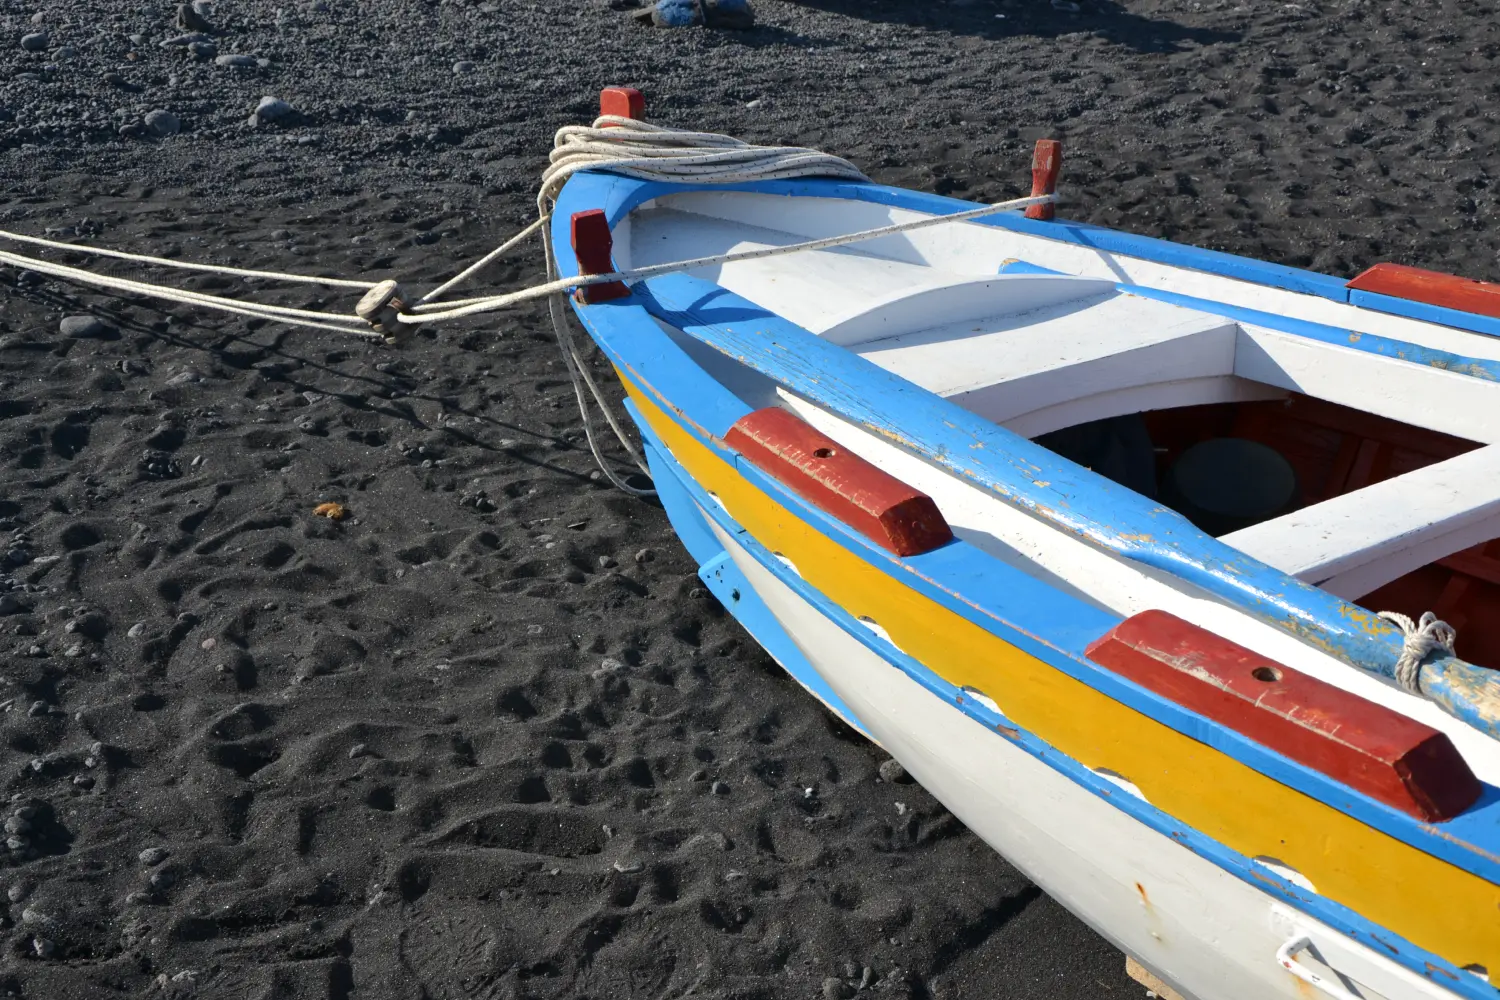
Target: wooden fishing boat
column 1089, row 531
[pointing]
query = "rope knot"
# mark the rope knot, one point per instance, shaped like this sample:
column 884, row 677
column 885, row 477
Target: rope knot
column 1419, row 640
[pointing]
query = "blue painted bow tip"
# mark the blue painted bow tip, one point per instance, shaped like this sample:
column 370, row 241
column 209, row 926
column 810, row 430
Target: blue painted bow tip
column 693, row 13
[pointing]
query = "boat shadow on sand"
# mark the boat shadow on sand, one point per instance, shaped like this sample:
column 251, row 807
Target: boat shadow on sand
column 995, row 19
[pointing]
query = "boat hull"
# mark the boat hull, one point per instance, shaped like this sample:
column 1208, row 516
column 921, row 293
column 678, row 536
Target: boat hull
column 1209, row 934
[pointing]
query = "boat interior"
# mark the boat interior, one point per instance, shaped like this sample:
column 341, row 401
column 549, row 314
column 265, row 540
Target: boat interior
column 1374, row 478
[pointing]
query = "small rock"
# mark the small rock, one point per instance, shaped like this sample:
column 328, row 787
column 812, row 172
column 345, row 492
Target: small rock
column 82, row 327
column 892, row 771
column 10, row 604
column 64, row 53
column 627, row 867
column 358, row 750
column 719, row 788
column 163, row 878
column 162, row 124
column 463, row 67
column 836, row 989
column 235, row 60
column 43, row 947
column 607, row 562
column 866, row 978
column 17, row 825
column 203, row 50
column 153, row 855
column 38, row 708
column 189, row 19
column 270, row 110
column 17, row 843
column 137, row 630
column 183, row 41
column 18, row 892
column 698, row 775
column 83, row 781
column 900, row 808
column 645, row 556
column 35, row 41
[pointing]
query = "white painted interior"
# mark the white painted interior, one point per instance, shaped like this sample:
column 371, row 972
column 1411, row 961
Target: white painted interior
column 1209, row 934
column 1353, row 543
column 973, row 249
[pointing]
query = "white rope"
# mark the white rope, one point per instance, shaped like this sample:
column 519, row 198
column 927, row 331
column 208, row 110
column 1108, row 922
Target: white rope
column 258, row 310
column 186, row 265
column 619, row 145
column 479, row 264
column 1419, row 640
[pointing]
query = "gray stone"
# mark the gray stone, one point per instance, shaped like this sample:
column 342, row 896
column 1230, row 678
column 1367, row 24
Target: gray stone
column 463, row 67
column 836, row 989
column 137, row 630
column 153, row 855
column 892, row 771
column 18, row 892
column 203, row 50
column 35, row 41
column 65, row 53
column 162, row 124
column 10, row 604
column 82, row 326
column 183, row 41
column 271, row 109
column 235, row 60
column 190, row 18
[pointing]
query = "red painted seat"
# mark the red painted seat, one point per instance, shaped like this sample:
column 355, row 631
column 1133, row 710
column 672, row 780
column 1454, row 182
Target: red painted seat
column 1380, row 752
column 1431, row 287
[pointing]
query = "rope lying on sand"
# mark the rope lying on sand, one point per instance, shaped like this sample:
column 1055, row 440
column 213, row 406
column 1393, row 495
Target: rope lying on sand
column 620, row 145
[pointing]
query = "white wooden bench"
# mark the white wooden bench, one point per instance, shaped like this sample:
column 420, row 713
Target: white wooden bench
column 1356, row 542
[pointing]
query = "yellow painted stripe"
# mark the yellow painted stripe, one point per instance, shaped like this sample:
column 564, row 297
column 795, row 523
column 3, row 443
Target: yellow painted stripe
column 1430, row 902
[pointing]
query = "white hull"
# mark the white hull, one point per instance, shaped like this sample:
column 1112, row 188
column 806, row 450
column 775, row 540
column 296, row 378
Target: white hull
column 1209, row 934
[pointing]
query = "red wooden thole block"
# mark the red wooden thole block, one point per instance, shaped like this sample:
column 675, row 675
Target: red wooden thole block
column 1046, row 164
column 1432, row 287
column 839, row 482
column 622, row 102
column 592, row 243
column 1382, row 753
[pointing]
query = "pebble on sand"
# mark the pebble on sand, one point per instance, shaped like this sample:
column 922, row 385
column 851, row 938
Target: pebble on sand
column 162, row 124
column 270, row 110
column 153, row 855
column 462, row 67
column 35, row 41
column 235, row 60
column 892, row 771
column 83, row 327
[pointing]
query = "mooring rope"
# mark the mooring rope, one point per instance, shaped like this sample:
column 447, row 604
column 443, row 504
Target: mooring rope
column 1419, row 639
column 615, row 144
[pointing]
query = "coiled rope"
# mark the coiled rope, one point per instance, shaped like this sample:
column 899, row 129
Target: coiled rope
column 1419, row 640
column 620, row 145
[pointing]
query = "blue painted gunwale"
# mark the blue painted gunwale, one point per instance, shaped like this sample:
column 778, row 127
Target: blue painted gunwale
column 990, row 593
column 728, row 584
column 687, row 502
column 1412, row 309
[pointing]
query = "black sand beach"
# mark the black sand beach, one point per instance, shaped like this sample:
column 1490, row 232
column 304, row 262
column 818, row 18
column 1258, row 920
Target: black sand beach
column 488, row 736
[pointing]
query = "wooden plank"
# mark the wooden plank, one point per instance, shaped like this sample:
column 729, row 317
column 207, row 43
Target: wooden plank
column 1135, row 970
column 1382, row 753
column 1432, row 287
column 1386, row 529
column 839, row 482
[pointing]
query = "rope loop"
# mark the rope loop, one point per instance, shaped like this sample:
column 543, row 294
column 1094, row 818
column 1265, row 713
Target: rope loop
column 1420, row 639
